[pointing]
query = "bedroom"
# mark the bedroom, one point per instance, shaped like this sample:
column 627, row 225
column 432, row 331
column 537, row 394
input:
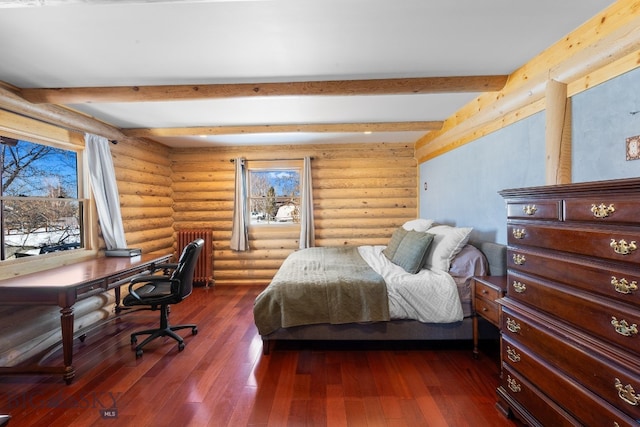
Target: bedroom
column 184, row 180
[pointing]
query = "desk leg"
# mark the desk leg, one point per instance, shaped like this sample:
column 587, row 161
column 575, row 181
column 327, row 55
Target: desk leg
column 117, row 294
column 66, row 323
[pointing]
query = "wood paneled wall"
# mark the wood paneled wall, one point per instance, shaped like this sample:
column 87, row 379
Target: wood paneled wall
column 143, row 174
column 362, row 192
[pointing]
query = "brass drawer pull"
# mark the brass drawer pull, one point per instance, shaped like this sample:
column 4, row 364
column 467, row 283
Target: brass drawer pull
column 602, row 210
column 520, row 233
column 623, row 286
column 513, row 384
column 627, row 393
column 513, row 326
column 513, row 355
column 519, row 259
column 623, row 328
column 529, row 209
column 622, row 247
column 519, row 287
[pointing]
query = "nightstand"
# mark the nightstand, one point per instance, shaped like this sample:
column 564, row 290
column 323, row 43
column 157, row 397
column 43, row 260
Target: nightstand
column 486, row 290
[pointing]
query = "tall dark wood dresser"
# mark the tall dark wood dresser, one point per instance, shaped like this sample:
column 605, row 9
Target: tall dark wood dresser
column 570, row 347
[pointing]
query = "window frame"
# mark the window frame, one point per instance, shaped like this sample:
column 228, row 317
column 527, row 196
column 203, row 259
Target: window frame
column 53, row 136
column 272, row 165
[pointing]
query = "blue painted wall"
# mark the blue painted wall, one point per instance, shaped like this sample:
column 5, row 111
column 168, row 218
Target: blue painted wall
column 462, row 185
column 603, row 118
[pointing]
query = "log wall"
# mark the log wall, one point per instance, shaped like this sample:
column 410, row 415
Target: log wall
column 362, row 192
column 143, row 174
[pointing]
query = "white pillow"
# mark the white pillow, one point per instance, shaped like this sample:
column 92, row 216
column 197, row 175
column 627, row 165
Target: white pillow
column 419, row 224
column 447, row 243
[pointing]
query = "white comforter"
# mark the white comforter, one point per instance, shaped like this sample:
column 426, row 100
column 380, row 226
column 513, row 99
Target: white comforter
column 430, row 296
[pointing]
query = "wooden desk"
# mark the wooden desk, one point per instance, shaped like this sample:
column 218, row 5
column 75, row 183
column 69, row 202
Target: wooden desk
column 63, row 286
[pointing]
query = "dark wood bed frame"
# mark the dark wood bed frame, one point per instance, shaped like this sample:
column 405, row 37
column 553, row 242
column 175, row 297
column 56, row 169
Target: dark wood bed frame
column 396, row 330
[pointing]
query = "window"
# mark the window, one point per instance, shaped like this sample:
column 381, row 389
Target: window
column 40, row 206
column 274, row 192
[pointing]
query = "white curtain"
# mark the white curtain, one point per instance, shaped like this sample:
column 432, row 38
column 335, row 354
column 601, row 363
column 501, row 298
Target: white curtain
column 239, row 234
column 307, row 228
column 105, row 190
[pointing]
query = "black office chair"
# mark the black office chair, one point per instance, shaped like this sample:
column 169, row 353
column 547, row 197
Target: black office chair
column 159, row 291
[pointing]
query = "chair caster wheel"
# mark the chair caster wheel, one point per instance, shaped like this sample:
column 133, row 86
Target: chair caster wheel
column 194, row 331
column 134, row 340
column 180, row 346
column 138, row 354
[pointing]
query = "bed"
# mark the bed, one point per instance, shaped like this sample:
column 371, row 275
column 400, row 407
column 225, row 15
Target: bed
column 417, row 287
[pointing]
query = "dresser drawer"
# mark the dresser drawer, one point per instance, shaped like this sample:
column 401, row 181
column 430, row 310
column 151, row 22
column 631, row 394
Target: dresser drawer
column 488, row 309
column 567, row 393
column 545, row 411
column 487, row 291
column 617, row 281
column 615, row 323
column 611, row 381
column 620, row 244
column 602, row 210
column 547, row 209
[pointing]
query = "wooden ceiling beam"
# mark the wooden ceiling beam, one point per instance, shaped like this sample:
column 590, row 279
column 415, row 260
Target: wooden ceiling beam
column 286, row 128
column 421, row 85
column 55, row 114
column 607, row 37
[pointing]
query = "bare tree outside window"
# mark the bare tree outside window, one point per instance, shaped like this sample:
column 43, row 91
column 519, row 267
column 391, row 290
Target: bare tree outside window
column 40, row 209
column 274, row 196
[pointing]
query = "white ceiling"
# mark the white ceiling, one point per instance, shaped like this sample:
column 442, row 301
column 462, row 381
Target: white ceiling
column 87, row 43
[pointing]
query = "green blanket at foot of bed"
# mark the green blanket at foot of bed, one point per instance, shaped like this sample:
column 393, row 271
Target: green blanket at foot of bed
column 322, row 285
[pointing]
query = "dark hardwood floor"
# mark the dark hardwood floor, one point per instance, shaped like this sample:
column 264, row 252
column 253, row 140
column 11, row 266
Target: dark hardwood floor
column 222, row 379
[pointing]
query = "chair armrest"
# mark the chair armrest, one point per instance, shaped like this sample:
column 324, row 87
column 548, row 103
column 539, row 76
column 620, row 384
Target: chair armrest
column 165, row 266
column 148, row 279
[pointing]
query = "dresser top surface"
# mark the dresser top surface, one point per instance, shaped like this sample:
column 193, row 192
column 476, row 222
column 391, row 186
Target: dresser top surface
column 611, row 187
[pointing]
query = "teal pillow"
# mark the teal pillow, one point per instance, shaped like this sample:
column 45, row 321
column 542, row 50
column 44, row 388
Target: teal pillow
column 412, row 251
column 396, row 239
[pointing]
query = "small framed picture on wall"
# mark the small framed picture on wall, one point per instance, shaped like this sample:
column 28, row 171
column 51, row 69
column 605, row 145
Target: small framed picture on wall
column 633, row 148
